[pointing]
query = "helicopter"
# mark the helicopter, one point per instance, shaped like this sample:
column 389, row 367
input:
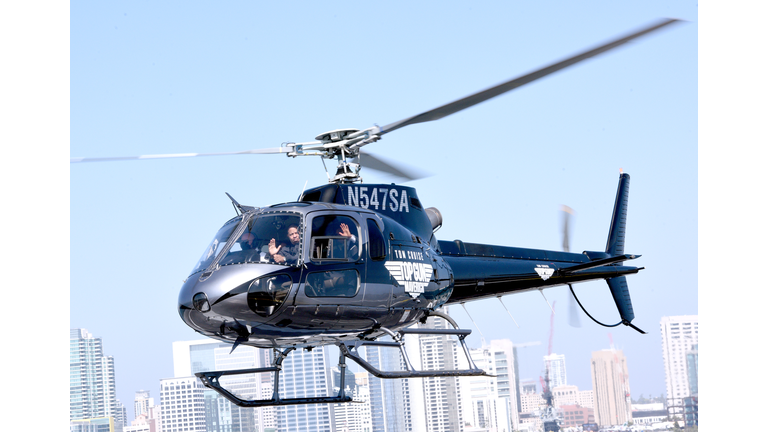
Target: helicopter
column 350, row 263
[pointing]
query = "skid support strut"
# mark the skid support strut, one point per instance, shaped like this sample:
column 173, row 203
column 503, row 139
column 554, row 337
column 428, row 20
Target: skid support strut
column 211, row 380
column 351, row 351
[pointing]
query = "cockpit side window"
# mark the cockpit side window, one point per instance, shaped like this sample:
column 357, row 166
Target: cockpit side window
column 377, row 246
column 334, row 238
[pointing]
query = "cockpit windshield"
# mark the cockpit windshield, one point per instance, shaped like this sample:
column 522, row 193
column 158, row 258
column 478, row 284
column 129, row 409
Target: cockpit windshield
column 273, row 238
column 213, row 249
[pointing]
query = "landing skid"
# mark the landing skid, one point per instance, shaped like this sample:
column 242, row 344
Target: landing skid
column 348, row 350
column 211, row 380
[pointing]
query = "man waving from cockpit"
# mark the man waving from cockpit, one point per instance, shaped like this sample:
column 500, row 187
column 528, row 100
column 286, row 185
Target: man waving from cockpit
column 286, row 254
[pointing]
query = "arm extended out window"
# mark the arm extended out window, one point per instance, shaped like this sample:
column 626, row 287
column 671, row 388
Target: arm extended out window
column 334, row 239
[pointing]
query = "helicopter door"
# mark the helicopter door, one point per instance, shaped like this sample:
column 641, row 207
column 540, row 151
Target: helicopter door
column 378, row 293
column 333, row 285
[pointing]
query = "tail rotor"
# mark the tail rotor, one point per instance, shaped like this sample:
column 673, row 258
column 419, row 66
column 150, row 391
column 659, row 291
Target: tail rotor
column 573, row 312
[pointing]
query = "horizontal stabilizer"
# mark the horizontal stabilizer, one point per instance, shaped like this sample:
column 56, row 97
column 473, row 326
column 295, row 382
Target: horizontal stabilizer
column 597, row 263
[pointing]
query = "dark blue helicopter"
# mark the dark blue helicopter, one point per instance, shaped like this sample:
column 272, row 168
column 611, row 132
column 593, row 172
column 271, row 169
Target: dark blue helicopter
column 354, row 264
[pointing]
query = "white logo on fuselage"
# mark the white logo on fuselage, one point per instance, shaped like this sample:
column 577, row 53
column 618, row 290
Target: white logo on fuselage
column 544, row 271
column 413, row 276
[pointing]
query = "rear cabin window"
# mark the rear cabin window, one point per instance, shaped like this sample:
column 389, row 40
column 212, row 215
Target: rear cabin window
column 377, row 247
column 334, row 239
column 337, row 283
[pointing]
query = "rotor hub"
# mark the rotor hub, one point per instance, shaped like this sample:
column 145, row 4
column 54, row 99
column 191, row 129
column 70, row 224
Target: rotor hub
column 335, row 135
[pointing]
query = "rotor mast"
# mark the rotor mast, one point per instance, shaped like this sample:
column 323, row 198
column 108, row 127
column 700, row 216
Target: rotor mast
column 340, row 144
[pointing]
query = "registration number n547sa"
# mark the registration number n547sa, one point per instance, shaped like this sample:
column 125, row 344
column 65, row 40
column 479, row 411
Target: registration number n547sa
column 378, row 198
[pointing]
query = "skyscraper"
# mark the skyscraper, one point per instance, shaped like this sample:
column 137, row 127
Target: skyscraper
column 141, row 403
column 387, row 395
column 610, row 383
column 306, row 374
column 190, row 357
column 183, row 409
column 441, row 394
column 556, row 364
column 678, row 336
column 483, row 405
column 92, row 391
column 353, row 417
column 417, row 404
column 692, row 360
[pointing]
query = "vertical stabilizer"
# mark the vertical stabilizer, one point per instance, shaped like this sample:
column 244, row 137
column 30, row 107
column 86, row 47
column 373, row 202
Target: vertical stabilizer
column 615, row 245
column 620, row 292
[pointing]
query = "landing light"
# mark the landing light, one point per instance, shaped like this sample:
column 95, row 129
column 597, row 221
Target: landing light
column 200, row 302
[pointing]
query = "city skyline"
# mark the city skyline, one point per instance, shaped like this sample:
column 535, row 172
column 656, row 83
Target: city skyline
column 184, row 363
column 92, row 381
column 486, row 395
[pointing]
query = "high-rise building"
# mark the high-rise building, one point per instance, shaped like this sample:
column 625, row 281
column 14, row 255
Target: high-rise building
column 556, row 365
column 306, row 374
column 610, row 384
column 678, row 336
column 483, row 404
column 141, row 403
column 190, row 357
column 417, row 404
column 154, row 418
column 92, row 393
column 505, row 364
column 692, row 360
column 387, row 395
column 565, row 395
column 586, row 398
column 442, row 395
column 354, row 417
column 183, row 406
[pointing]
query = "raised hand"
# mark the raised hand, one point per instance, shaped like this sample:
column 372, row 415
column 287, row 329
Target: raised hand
column 345, row 231
column 274, row 249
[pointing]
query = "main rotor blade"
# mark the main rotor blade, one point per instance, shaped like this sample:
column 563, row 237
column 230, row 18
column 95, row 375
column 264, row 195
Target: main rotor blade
column 378, row 163
column 482, row 96
column 179, row 155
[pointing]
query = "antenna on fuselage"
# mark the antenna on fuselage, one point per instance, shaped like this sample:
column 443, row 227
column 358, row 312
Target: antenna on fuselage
column 482, row 337
column 508, row 312
column 240, row 209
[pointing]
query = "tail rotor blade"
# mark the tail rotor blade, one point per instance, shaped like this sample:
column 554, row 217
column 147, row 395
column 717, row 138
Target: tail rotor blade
column 573, row 311
column 566, row 216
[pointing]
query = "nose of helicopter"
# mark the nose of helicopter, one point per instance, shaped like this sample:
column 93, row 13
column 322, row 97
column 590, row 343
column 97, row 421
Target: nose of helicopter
column 244, row 292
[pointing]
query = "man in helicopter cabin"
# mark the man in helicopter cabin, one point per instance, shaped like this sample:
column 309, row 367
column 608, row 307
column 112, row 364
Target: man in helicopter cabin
column 286, row 254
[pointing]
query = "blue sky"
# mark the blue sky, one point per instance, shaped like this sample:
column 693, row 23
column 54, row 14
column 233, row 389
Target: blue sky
column 201, row 77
